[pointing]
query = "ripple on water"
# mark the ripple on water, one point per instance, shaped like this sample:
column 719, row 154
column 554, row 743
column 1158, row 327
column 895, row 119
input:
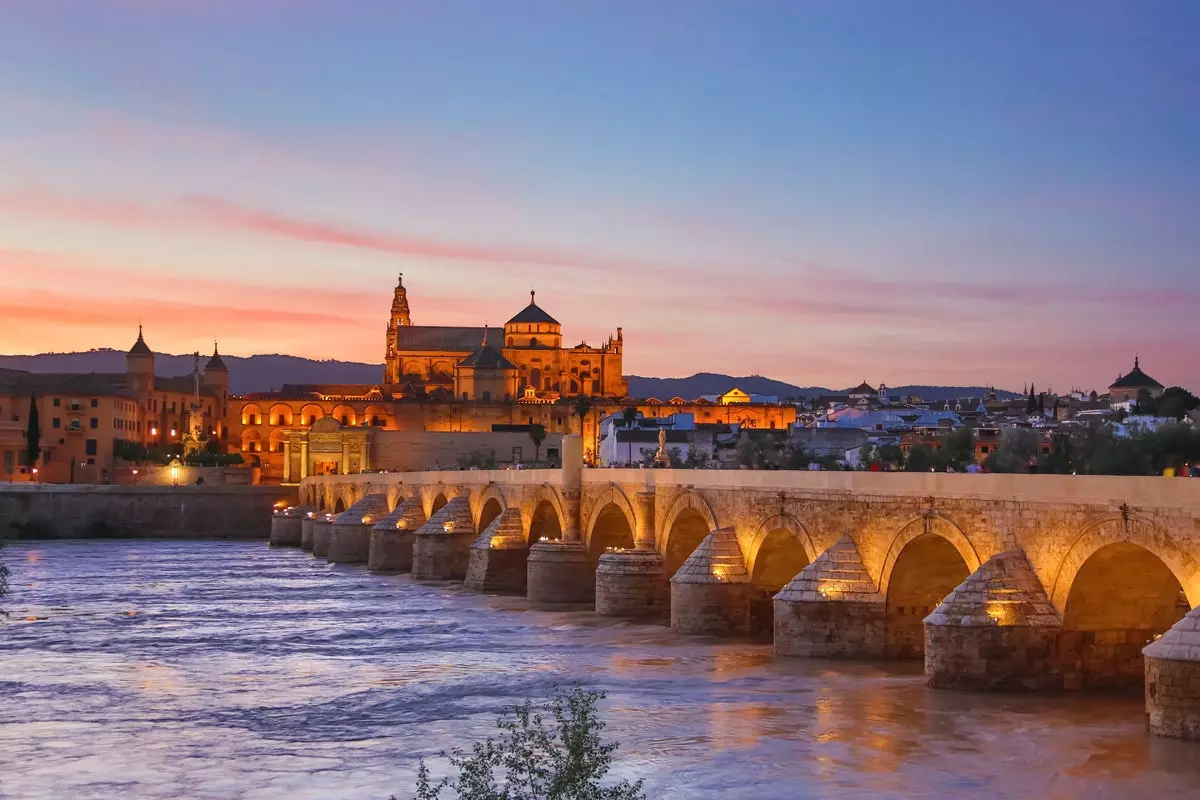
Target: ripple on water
column 230, row 670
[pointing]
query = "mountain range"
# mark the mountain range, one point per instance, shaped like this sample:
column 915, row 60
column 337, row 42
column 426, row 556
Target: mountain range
column 262, row 373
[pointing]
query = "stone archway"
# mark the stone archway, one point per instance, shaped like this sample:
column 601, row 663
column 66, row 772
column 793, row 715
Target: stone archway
column 339, row 506
column 610, row 525
column 780, row 549
column 1123, row 583
column 488, row 505
column 544, row 524
column 927, row 559
column 546, row 497
column 688, row 520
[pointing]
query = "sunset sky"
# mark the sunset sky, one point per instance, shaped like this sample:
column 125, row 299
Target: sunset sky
column 821, row 192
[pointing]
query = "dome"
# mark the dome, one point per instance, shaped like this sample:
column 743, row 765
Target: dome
column 532, row 314
column 139, row 347
column 1136, row 379
column 215, row 363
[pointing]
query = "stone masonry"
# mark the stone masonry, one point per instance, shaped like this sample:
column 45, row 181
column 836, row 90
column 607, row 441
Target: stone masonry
column 1173, row 680
column 710, row 592
column 631, row 583
column 831, row 609
column 287, row 525
column 392, row 538
column 322, row 532
column 997, row 631
column 498, row 556
column 442, row 546
column 350, row 537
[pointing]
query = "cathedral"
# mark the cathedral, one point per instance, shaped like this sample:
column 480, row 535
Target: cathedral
column 526, row 361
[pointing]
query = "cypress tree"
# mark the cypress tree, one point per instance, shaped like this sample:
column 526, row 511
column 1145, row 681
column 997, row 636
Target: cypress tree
column 33, row 434
column 1031, row 406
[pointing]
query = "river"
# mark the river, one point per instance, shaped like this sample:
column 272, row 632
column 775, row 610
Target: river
column 230, row 670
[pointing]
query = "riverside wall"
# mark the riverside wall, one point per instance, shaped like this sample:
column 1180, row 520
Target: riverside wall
column 64, row 511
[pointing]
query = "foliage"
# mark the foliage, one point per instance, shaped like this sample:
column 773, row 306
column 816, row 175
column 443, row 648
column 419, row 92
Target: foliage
column 33, row 435
column 749, row 452
column 478, row 459
column 531, row 761
column 958, row 449
column 537, row 434
column 920, row 458
column 629, row 415
column 581, row 408
column 204, row 458
column 675, row 457
column 1017, row 447
column 696, row 459
column 891, row 454
column 1174, row 403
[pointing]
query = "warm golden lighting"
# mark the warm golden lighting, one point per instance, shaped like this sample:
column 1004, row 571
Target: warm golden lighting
column 401, row 524
column 448, row 526
column 367, row 520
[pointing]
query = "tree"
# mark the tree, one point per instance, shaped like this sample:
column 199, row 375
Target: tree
column 629, row 415
column 33, row 434
column 958, row 448
column 537, row 433
column 892, row 454
column 1175, row 402
column 531, row 761
column 1017, row 447
column 1031, row 406
column 920, row 458
column 583, row 405
column 749, row 454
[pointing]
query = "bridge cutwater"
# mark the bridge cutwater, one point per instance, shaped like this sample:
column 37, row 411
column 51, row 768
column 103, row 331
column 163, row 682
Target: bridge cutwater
column 1000, row 582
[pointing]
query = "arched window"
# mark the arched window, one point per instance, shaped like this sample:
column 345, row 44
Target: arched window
column 487, row 397
column 510, row 341
column 533, row 342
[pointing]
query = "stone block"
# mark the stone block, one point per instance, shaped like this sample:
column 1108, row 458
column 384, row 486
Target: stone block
column 391, row 550
column 710, row 609
column 306, row 533
column 497, row 570
column 441, row 556
column 559, row 572
column 830, row 629
column 631, row 583
column 349, row 543
column 322, row 530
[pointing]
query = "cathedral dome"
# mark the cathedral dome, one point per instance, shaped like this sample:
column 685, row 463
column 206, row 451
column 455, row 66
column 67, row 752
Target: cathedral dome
column 532, row 314
column 1136, row 379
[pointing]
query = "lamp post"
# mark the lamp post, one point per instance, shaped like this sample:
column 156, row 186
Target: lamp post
column 175, row 472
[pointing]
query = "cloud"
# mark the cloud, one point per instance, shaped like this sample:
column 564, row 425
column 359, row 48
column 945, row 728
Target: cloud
column 214, row 212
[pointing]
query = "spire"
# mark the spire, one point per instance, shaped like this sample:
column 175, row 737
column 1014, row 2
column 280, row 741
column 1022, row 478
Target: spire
column 1136, row 362
column 532, row 297
column 485, row 333
column 139, row 347
column 400, row 313
column 215, row 363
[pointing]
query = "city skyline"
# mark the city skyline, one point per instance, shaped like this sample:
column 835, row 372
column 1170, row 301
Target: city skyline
column 807, row 193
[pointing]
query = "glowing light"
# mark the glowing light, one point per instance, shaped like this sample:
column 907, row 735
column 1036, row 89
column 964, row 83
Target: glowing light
column 448, row 526
column 154, row 431
column 367, row 519
column 544, row 539
column 401, row 524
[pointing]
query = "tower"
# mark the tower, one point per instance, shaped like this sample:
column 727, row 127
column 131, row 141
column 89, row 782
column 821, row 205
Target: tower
column 400, row 318
column 139, row 370
column 216, row 377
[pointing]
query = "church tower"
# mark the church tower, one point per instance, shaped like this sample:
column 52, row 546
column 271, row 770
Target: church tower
column 400, row 318
column 139, row 370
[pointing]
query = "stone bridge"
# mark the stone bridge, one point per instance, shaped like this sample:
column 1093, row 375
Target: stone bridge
column 1000, row 582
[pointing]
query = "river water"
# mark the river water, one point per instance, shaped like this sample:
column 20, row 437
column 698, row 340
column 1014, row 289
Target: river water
column 230, row 670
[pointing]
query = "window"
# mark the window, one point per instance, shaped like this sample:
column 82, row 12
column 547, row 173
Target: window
column 55, row 423
column 346, row 417
column 93, row 423
column 487, row 397
column 57, row 402
column 312, row 419
column 95, row 403
column 91, row 462
column 90, row 447
column 533, row 342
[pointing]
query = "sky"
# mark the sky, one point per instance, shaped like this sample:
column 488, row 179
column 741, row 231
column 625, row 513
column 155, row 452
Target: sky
column 820, row 192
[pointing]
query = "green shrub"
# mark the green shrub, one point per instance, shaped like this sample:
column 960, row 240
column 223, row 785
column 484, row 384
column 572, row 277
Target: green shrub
column 529, row 761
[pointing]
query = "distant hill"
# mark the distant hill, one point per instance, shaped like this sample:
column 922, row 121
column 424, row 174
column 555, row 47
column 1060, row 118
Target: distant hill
column 262, row 373
column 711, row 383
column 259, row 373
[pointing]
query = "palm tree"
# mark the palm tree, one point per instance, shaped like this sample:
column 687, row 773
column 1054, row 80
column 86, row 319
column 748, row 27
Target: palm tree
column 583, row 405
column 538, row 434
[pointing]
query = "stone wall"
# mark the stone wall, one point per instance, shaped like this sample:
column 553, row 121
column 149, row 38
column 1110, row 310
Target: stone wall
column 419, row 450
column 184, row 512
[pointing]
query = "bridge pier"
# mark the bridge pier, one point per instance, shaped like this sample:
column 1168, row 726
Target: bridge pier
column 1172, row 665
column 350, row 537
column 559, row 572
column 497, row 561
column 997, row 631
column 391, row 548
column 322, row 531
column 631, row 583
column 442, row 546
column 831, row 609
column 286, row 526
column 710, row 594
column 306, row 531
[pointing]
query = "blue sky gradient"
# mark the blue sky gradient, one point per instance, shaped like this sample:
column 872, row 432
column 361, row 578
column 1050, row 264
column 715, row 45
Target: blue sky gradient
column 938, row 192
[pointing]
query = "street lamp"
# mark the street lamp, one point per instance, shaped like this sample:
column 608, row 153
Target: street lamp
column 175, row 472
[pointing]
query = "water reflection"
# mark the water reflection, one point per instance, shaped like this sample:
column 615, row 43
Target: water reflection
column 228, row 670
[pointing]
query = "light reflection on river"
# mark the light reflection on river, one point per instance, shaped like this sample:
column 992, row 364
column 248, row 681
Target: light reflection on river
column 228, row 670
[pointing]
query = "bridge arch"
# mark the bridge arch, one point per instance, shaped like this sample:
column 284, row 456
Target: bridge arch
column 779, row 543
column 489, row 503
column 339, row 505
column 928, row 557
column 1132, row 530
column 688, row 520
column 611, row 523
column 434, row 497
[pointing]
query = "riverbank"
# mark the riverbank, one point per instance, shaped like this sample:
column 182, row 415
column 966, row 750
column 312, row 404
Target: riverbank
column 80, row 511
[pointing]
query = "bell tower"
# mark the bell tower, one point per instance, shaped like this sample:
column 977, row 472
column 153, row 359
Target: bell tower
column 400, row 318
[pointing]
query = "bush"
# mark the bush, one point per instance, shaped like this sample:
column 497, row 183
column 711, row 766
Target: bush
column 565, row 763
